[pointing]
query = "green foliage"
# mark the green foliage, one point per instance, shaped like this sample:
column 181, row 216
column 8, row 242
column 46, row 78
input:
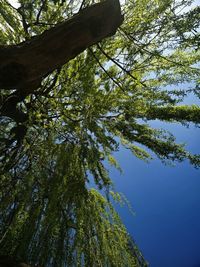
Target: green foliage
column 79, row 116
column 61, row 221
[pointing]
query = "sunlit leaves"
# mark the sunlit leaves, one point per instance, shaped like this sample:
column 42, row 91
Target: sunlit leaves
column 76, row 120
column 60, row 221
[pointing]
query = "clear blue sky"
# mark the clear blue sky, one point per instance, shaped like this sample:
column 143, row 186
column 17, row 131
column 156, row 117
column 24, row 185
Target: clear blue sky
column 166, row 200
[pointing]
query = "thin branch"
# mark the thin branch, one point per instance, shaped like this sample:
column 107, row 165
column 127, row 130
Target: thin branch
column 40, row 11
column 120, row 66
column 152, row 53
column 107, row 73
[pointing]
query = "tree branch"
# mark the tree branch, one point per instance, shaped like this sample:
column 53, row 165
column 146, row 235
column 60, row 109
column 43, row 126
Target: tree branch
column 23, row 66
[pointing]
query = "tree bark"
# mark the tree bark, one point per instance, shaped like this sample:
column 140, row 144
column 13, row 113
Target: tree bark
column 23, row 66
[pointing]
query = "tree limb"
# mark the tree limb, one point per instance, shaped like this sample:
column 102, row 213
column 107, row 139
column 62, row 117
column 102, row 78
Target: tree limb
column 24, row 65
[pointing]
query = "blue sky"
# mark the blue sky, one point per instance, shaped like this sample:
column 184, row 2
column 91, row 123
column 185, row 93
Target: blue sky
column 166, row 202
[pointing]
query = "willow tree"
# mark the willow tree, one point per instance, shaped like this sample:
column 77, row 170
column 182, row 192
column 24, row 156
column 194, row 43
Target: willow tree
column 78, row 79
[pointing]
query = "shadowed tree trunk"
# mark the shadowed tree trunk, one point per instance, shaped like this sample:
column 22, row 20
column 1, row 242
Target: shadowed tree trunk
column 23, row 66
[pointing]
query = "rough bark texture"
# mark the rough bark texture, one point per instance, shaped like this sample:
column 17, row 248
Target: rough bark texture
column 23, row 66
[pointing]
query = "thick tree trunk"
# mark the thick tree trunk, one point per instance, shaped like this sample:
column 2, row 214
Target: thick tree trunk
column 23, row 66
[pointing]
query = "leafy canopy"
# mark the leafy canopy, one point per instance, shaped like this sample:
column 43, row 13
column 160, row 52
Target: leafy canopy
column 63, row 132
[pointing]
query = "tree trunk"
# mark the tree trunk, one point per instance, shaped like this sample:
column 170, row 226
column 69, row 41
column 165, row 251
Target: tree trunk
column 24, row 65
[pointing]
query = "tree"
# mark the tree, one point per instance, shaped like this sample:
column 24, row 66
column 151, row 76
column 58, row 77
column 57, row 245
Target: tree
column 62, row 120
